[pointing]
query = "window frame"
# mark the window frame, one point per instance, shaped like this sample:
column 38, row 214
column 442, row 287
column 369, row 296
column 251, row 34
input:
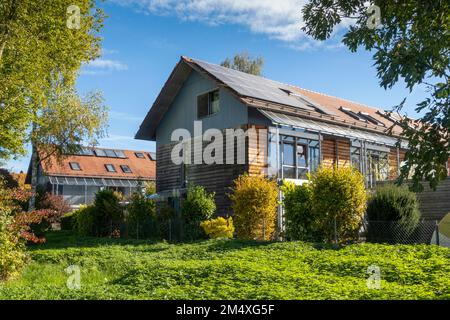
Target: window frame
column 209, row 111
column 296, row 142
column 72, row 165
column 122, row 166
column 110, row 165
column 139, row 153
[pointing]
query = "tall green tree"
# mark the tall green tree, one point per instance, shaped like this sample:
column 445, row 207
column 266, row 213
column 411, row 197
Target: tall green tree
column 410, row 41
column 63, row 125
column 243, row 62
column 41, row 43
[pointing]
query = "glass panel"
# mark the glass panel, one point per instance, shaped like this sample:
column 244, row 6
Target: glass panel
column 120, row 154
column 288, row 154
column 314, row 157
column 302, row 155
column 289, row 173
column 110, row 153
column 202, row 106
column 100, row 153
column 302, row 174
column 215, row 102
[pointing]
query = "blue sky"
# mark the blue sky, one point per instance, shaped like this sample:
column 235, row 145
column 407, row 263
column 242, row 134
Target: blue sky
column 144, row 39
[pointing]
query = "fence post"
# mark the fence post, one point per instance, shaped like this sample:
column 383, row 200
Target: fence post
column 437, row 233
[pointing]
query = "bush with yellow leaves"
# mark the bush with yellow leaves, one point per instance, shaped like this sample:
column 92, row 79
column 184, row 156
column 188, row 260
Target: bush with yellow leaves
column 255, row 201
column 218, row 228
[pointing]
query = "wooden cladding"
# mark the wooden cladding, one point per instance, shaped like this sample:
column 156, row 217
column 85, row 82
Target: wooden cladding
column 335, row 152
column 394, row 159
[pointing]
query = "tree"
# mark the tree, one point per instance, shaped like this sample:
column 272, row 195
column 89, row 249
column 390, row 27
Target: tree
column 411, row 41
column 63, row 125
column 243, row 62
column 41, row 43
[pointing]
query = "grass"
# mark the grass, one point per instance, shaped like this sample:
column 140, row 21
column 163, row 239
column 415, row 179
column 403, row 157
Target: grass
column 220, row 269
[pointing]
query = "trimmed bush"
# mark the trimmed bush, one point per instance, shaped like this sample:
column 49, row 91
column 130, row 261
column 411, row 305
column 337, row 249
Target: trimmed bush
column 198, row 206
column 298, row 214
column 84, row 220
column 338, row 203
column 141, row 217
column 254, row 202
column 218, row 228
column 398, row 207
column 108, row 213
column 68, row 221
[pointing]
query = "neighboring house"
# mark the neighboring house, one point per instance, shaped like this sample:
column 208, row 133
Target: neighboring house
column 304, row 129
column 79, row 177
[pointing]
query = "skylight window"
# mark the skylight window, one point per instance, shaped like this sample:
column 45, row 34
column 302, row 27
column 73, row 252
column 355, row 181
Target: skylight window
column 353, row 114
column 139, row 155
column 75, row 166
column 110, row 168
column 371, row 119
column 126, row 169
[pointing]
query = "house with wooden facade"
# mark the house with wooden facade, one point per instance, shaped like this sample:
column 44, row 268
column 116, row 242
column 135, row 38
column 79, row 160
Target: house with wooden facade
column 78, row 177
column 302, row 129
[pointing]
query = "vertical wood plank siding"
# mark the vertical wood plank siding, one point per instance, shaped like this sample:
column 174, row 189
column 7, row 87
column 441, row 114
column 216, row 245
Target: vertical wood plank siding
column 336, row 152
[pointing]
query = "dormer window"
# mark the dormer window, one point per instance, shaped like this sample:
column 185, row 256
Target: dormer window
column 208, row 104
column 75, row 166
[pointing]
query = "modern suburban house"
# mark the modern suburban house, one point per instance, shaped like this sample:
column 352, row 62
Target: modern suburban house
column 301, row 129
column 79, row 177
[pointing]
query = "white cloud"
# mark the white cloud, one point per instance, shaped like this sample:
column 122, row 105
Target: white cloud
column 103, row 66
column 109, row 65
column 279, row 19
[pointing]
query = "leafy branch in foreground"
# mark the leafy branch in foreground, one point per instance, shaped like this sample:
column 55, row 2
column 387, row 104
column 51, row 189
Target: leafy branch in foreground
column 412, row 44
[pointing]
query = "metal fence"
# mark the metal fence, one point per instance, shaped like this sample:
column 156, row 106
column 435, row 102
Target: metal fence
column 396, row 232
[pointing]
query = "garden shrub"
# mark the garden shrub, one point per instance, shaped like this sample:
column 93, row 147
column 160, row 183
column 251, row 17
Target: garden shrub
column 198, row 206
column 12, row 249
column 141, row 217
column 56, row 205
column 164, row 220
column 219, row 228
column 108, row 213
column 83, row 221
column 254, row 202
column 338, row 202
column 393, row 213
column 298, row 214
column 68, row 221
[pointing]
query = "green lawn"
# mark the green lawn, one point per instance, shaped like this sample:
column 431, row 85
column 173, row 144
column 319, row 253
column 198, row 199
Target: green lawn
column 118, row 269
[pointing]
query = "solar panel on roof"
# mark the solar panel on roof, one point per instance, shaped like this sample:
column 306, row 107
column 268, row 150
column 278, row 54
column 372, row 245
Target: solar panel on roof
column 110, row 153
column 120, row 154
column 254, row 86
column 100, row 153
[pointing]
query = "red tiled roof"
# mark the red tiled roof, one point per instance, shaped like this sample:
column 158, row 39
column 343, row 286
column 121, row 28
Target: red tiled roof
column 94, row 167
column 335, row 104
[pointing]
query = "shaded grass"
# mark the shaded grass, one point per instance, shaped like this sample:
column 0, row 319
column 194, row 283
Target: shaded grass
column 221, row 269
